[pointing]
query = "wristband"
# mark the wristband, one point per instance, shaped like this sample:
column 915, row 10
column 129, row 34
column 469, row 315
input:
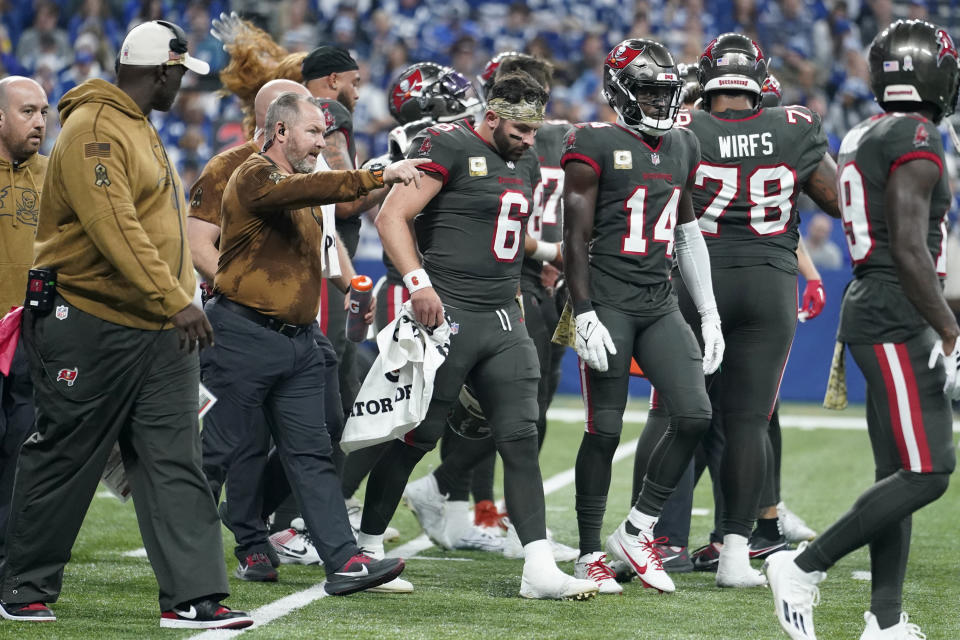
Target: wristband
column 416, row 280
column 545, row 251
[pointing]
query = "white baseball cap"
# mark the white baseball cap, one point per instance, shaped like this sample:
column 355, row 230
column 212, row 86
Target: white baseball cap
column 159, row 42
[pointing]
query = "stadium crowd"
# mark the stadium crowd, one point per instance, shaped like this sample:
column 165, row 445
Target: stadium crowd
column 576, row 159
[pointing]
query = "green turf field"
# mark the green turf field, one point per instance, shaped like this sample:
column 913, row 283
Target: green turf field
column 467, row 595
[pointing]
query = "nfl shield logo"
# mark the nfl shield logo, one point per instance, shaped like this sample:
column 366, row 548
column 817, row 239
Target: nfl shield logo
column 454, row 328
column 655, row 158
column 62, row 312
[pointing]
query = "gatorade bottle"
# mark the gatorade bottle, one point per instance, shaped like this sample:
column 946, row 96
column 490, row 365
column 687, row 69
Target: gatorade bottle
column 361, row 295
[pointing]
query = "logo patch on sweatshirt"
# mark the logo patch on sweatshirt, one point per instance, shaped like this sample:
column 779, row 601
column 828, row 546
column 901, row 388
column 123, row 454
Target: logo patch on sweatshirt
column 100, row 175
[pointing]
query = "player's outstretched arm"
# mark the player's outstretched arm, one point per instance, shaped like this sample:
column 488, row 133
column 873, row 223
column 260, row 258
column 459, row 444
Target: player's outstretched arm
column 906, row 205
column 814, row 295
column 394, row 224
column 581, row 183
column 822, row 186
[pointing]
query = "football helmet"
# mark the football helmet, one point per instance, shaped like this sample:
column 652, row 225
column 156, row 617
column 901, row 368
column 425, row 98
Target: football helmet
column 429, row 90
column 732, row 62
column 642, row 84
column 466, row 418
column 915, row 61
column 489, row 72
column 691, row 84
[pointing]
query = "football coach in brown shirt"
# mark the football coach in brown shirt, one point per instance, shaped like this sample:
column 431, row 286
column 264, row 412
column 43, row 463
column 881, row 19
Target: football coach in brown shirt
column 112, row 351
column 267, row 295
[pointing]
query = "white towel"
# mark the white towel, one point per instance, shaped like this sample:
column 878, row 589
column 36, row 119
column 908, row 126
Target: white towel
column 330, row 259
column 396, row 393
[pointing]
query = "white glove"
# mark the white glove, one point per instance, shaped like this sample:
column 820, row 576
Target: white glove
column 227, row 28
column 593, row 341
column 951, row 388
column 712, row 341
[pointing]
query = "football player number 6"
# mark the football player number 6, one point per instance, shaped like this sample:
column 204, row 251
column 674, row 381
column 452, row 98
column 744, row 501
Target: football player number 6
column 508, row 235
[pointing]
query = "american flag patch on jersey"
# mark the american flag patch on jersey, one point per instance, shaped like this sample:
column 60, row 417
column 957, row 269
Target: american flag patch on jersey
column 96, row 150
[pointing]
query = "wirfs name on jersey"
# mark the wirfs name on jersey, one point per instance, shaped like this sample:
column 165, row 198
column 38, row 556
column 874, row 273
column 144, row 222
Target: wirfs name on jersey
column 741, row 145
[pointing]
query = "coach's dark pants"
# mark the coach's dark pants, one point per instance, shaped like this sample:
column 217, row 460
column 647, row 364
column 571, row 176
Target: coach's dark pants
column 251, row 367
column 94, row 383
column 16, row 423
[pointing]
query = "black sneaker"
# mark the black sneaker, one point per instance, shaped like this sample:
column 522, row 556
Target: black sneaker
column 256, row 567
column 674, row 559
column 362, row 572
column 707, row 557
column 761, row 547
column 27, row 612
column 205, row 614
column 222, row 512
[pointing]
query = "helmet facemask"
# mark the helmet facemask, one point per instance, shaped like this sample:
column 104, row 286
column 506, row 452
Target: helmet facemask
column 648, row 105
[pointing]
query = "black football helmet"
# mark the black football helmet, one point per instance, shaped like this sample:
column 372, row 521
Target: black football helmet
column 466, row 418
column 429, row 90
column 641, row 73
column 691, row 83
column 732, row 62
column 915, row 61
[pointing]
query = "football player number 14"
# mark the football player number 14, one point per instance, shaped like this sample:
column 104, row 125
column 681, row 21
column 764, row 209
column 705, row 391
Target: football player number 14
column 634, row 242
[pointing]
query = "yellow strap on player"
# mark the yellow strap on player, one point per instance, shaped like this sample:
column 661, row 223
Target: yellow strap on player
column 836, row 395
column 566, row 332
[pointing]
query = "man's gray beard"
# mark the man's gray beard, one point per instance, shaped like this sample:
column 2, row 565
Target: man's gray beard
column 306, row 165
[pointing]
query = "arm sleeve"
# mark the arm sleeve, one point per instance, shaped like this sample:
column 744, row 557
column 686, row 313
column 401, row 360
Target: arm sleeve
column 207, row 193
column 263, row 187
column 912, row 139
column 581, row 146
column 694, row 263
column 99, row 192
column 437, row 145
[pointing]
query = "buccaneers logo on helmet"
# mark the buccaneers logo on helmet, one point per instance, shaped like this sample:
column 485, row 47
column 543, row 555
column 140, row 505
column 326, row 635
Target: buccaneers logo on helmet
column 407, row 88
column 946, row 48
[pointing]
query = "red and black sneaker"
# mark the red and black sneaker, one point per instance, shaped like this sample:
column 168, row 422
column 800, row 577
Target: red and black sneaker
column 707, row 557
column 256, row 567
column 362, row 572
column 204, row 614
column 27, row 612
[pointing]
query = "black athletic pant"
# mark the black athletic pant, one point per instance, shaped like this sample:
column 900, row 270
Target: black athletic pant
column 493, row 349
column 668, row 352
column 910, row 423
column 287, row 379
column 16, row 423
column 96, row 384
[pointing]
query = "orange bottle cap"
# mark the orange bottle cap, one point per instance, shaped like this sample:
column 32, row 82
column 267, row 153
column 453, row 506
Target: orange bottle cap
column 361, row 283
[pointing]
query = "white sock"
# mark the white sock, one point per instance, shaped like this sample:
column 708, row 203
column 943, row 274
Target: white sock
column 538, row 555
column 370, row 542
column 642, row 521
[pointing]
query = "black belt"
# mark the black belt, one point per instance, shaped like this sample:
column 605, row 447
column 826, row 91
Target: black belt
column 274, row 324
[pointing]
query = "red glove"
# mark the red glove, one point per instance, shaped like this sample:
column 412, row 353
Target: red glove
column 814, row 298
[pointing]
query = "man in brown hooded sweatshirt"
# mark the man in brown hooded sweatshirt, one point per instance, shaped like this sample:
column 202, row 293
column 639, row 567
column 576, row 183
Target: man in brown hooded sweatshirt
column 117, row 360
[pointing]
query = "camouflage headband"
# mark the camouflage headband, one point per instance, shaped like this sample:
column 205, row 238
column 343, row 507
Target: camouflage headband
column 523, row 111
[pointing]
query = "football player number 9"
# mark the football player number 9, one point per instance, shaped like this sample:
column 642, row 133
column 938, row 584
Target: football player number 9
column 853, row 208
column 508, row 234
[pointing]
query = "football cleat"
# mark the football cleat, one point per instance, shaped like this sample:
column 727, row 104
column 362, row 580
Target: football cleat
column 397, row 585
column 675, row 559
column 205, row 614
column 478, row 539
column 487, row 516
column 293, row 545
column 593, row 566
column 761, row 547
column 427, row 503
column 256, row 567
column 360, row 573
column 707, row 557
column 553, row 584
column 513, row 549
column 795, row 593
column 641, row 553
column 903, row 630
column 793, row 527
column 733, row 567
column 27, row 612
